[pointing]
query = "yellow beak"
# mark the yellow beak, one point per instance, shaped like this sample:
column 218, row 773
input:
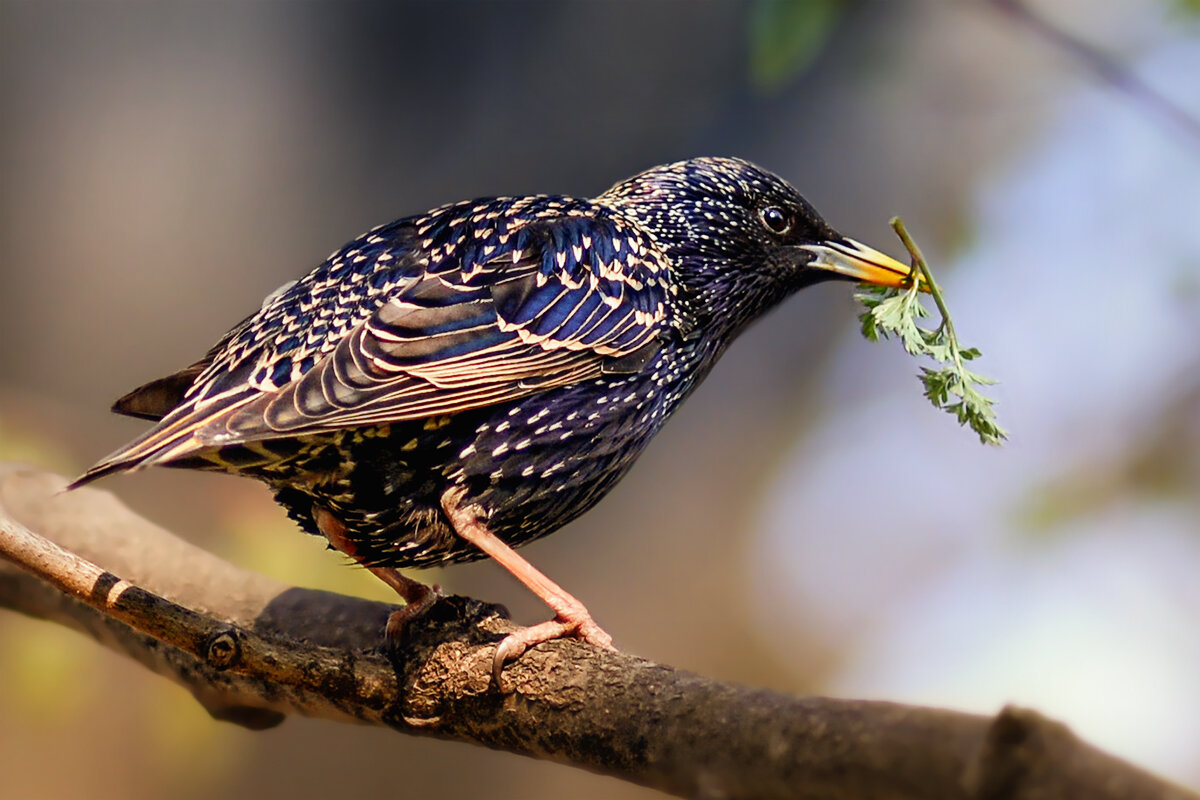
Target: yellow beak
column 866, row 264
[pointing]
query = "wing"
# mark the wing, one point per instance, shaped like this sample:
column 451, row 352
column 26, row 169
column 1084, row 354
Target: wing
column 497, row 310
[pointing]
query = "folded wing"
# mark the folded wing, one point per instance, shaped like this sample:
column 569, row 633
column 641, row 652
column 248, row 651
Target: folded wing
column 556, row 301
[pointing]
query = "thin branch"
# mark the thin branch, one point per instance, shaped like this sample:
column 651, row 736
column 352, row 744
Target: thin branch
column 252, row 651
column 1104, row 67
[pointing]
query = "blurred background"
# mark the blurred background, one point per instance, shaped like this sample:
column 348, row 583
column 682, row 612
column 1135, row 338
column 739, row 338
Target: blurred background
column 807, row 523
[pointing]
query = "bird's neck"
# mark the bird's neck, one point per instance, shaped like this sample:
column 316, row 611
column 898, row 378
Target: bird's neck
column 723, row 302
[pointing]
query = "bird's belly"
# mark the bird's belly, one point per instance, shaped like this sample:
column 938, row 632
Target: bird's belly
column 550, row 458
column 532, row 466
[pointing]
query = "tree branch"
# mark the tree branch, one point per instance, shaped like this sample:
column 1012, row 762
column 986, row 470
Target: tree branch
column 1106, row 68
column 252, row 650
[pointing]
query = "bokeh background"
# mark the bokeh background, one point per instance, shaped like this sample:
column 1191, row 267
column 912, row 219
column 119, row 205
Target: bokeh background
column 807, row 523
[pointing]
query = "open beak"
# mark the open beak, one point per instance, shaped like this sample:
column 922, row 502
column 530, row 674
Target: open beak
column 856, row 260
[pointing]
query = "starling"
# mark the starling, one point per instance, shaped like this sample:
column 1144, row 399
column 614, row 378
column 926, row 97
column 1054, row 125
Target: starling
column 454, row 385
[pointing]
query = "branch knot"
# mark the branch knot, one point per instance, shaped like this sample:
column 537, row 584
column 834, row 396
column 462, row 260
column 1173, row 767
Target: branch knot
column 223, row 649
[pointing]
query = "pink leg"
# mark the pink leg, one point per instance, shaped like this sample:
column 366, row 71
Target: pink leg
column 418, row 597
column 571, row 617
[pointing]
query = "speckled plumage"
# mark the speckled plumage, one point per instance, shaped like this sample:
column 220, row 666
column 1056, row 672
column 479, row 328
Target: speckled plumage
column 523, row 349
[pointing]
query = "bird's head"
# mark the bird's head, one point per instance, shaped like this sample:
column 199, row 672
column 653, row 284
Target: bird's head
column 741, row 239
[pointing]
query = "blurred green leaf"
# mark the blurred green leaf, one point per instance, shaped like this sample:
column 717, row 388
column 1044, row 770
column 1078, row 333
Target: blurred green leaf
column 1190, row 8
column 786, row 35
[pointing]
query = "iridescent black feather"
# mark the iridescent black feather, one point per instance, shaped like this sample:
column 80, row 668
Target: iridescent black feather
column 523, row 348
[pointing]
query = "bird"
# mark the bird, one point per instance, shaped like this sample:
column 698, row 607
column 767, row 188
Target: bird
column 453, row 385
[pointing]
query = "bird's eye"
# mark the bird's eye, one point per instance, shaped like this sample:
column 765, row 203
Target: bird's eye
column 775, row 220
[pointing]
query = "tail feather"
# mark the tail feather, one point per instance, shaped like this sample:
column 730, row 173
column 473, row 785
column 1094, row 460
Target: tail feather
column 156, row 399
column 175, row 437
column 109, row 466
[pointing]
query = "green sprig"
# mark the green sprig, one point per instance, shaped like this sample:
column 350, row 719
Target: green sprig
column 953, row 388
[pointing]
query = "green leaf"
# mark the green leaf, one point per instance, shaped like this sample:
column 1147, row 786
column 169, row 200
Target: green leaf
column 1190, row 8
column 786, row 35
column 937, row 385
column 894, row 312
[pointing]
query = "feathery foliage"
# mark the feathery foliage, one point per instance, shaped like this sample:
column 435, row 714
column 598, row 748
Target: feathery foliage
column 953, row 388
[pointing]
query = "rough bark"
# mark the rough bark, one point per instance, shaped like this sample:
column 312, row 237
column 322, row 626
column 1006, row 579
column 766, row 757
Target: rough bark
column 252, row 651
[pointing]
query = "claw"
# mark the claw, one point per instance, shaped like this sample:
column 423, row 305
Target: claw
column 579, row 624
column 398, row 620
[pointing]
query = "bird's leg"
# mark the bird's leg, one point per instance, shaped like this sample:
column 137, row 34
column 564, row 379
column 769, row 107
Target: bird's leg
column 418, row 597
column 571, row 617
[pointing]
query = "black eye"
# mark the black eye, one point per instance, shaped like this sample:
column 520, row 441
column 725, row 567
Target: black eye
column 775, row 220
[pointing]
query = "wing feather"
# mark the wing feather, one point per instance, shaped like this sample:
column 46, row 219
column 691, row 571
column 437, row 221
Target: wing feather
column 553, row 298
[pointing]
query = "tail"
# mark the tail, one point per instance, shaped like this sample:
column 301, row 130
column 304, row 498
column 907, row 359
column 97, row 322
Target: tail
column 158, row 398
column 178, row 435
